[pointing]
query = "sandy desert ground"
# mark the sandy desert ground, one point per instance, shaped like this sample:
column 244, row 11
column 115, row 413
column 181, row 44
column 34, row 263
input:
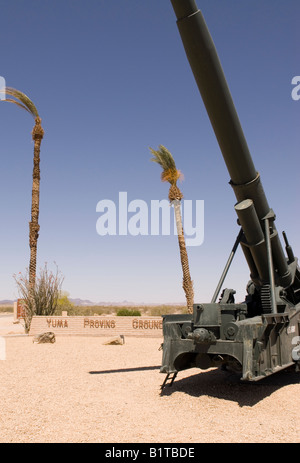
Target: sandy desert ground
column 80, row 390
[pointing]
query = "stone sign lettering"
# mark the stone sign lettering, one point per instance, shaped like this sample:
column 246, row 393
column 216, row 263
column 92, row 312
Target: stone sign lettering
column 57, row 323
column 99, row 323
column 140, row 324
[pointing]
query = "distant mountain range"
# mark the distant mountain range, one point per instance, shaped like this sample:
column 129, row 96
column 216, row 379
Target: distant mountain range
column 87, row 302
column 81, row 302
column 6, row 302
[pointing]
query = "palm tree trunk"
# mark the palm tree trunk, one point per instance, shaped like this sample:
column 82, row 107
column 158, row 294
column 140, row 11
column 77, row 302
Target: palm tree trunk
column 187, row 283
column 37, row 136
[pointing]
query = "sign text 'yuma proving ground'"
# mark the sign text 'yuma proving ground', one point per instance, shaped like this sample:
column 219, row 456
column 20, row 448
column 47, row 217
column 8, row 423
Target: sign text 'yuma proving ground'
column 138, row 218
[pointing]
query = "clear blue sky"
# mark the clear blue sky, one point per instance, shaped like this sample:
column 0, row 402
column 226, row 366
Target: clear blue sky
column 110, row 79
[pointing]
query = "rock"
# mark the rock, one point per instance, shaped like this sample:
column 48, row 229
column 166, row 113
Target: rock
column 44, row 337
column 117, row 340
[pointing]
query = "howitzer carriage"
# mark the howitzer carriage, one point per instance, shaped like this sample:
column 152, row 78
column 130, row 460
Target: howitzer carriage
column 261, row 335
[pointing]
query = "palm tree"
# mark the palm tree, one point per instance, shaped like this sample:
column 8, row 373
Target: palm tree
column 171, row 174
column 24, row 102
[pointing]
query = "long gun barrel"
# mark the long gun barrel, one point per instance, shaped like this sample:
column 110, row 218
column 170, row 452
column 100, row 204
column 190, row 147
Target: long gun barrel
column 245, row 180
column 256, row 337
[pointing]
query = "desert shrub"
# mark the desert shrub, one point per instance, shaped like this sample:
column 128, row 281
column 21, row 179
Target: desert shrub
column 128, row 313
column 100, row 310
column 5, row 308
column 166, row 309
column 89, row 310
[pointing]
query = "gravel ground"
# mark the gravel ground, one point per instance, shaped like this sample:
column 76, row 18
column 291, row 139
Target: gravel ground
column 80, row 390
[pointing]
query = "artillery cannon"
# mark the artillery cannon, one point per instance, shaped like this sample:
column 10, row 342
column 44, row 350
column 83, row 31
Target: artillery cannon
column 261, row 335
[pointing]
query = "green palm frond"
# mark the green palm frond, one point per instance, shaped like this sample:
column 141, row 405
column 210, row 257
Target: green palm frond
column 164, row 158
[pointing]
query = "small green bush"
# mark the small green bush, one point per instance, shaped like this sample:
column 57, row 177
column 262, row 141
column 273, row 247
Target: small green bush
column 128, row 313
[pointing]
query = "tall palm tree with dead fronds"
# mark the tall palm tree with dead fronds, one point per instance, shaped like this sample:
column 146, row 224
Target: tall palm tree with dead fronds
column 21, row 100
column 171, row 174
